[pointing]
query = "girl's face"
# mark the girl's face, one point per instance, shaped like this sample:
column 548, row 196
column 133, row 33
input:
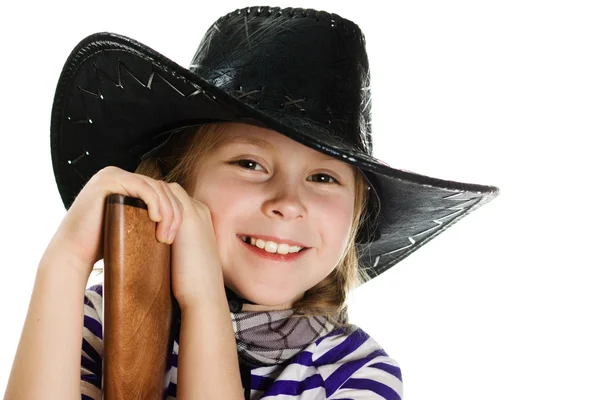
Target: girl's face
column 258, row 182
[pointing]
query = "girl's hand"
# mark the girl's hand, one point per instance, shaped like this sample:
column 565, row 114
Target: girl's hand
column 79, row 237
column 195, row 262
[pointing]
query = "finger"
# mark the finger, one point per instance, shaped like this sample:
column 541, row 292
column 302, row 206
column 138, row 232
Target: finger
column 177, row 212
column 167, row 211
column 180, row 193
column 153, row 194
column 151, row 197
column 130, row 184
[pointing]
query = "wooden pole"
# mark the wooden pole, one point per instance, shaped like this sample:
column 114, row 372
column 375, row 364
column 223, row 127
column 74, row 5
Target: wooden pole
column 137, row 303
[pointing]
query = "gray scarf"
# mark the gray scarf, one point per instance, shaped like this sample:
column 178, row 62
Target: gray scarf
column 273, row 337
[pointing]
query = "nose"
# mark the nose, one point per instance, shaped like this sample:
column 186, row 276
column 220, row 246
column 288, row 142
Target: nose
column 285, row 203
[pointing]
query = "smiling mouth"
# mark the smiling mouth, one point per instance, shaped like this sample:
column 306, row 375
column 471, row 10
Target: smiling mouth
column 248, row 242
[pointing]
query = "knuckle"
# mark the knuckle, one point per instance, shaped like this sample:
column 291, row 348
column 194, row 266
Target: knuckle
column 111, row 173
column 202, row 208
column 104, row 175
column 163, row 185
column 168, row 210
column 155, row 197
column 109, row 170
column 174, row 186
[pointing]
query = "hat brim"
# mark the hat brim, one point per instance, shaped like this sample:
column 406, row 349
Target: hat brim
column 115, row 96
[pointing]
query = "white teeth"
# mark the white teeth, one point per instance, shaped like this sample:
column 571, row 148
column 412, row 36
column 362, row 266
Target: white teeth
column 272, row 247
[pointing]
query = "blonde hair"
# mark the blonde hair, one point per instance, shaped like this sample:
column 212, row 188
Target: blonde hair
column 180, row 157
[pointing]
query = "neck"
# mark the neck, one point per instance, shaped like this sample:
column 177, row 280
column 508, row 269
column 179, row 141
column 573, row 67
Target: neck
column 284, row 306
column 258, row 307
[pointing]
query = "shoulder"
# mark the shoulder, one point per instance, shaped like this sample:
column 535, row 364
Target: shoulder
column 352, row 364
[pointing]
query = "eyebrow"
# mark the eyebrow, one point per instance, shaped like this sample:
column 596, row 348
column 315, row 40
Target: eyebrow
column 248, row 140
column 264, row 144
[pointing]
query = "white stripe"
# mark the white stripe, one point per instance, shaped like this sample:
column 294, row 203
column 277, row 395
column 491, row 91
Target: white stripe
column 90, row 390
column 96, row 300
column 317, row 393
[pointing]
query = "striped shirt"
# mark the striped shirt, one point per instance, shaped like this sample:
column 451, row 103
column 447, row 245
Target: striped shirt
column 343, row 364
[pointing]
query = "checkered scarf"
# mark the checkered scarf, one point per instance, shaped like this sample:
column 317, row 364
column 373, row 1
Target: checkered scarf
column 272, row 337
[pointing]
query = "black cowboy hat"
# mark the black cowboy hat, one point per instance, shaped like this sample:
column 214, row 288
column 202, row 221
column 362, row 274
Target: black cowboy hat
column 301, row 72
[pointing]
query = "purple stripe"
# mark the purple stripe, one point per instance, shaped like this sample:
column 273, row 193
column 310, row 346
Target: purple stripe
column 345, row 371
column 260, row 382
column 86, row 397
column 91, row 366
column 173, row 360
column 302, row 358
column 350, row 344
column 88, row 302
column 97, row 289
column 94, row 326
column 165, row 393
column 172, row 390
column 391, row 369
column 293, row 388
column 376, row 387
column 90, row 351
column 93, row 379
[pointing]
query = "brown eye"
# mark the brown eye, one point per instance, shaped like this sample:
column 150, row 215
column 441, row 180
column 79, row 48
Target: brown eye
column 324, row 178
column 247, row 164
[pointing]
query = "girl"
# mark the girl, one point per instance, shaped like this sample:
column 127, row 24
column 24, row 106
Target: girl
column 256, row 163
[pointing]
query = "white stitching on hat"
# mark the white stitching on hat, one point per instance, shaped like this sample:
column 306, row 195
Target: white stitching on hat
column 291, row 101
column 97, row 95
column 172, row 87
column 453, row 195
column 80, row 121
column 79, row 157
column 336, row 20
column 150, row 79
column 458, row 207
column 247, row 94
column 119, row 83
column 99, row 71
column 197, row 91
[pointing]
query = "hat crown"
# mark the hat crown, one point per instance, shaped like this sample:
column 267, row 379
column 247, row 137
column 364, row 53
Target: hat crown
column 300, row 64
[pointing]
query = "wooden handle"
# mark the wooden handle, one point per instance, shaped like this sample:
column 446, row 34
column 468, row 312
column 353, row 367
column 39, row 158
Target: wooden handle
column 137, row 302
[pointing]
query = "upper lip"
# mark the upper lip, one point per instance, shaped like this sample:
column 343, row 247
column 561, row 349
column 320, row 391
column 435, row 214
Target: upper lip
column 274, row 239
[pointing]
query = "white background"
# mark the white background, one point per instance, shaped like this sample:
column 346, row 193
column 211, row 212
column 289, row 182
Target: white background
column 504, row 305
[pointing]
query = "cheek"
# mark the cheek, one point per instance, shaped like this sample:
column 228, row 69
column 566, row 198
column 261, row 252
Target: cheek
column 226, row 203
column 226, row 208
column 220, row 195
column 335, row 221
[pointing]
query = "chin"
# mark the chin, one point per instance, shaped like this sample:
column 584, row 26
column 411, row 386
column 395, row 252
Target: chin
column 264, row 297
column 267, row 299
